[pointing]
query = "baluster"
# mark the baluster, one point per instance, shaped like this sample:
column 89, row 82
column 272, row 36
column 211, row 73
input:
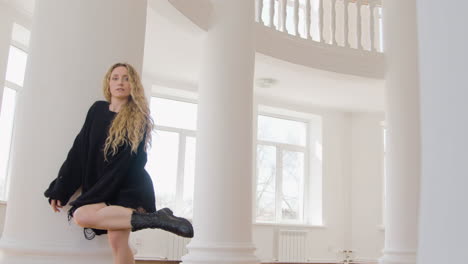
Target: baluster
column 379, row 27
column 284, row 14
column 372, row 25
column 333, row 20
column 272, row 13
column 259, row 11
column 321, row 20
column 308, row 18
column 296, row 17
column 346, row 23
column 359, row 24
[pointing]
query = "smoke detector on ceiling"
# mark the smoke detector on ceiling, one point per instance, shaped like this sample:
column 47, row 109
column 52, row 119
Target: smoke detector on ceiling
column 265, row 82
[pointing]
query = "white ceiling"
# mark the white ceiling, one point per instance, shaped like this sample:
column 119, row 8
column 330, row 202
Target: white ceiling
column 307, row 86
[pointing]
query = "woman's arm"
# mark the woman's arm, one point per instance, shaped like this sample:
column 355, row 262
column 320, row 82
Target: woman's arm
column 70, row 175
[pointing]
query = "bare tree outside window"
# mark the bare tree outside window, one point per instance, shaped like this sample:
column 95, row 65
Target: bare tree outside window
column 280, row 175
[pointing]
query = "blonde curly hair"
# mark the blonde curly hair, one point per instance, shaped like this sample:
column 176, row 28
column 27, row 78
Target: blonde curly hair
column 133, row 121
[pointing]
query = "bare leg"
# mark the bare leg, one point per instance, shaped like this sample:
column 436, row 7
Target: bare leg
column 114, row 219
column 118, row 240
column 101, row 216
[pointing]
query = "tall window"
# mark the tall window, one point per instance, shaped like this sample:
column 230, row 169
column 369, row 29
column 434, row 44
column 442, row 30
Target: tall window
column 171, row 160
column 6, row 129
column 14, row 80
column 282, row 159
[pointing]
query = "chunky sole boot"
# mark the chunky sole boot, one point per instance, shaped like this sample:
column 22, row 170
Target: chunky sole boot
column 163, row 219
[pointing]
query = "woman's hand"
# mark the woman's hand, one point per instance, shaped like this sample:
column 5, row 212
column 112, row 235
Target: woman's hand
column 55, row 204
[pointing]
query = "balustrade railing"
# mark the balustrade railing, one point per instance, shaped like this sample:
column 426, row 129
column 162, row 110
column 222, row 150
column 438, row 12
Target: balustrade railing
column 347, row 23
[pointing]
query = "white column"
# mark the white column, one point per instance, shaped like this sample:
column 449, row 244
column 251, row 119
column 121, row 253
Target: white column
column 223, row 181
column 443, row 57
column 72, row 45
column 6, row 26
column 403, row 138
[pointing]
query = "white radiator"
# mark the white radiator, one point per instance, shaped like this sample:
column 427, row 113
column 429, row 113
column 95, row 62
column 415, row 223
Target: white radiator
column 292, row 246
column 176, row 246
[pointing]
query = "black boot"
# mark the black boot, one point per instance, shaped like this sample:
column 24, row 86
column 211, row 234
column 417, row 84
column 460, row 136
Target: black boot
column 163, row 219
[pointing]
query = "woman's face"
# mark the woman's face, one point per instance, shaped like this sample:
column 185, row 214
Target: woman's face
column 119, row 83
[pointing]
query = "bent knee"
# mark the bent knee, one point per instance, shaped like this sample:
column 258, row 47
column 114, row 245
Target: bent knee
column 83, row 217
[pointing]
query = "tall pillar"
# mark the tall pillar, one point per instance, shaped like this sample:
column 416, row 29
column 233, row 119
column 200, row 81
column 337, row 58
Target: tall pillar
column 443, row 57
column 223, row 182
column 403, row 138
column 6, row 26
column 73, row 43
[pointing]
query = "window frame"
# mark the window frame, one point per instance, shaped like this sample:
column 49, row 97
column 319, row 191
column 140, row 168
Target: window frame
column 183, row 134
column 280, row 148
column 18, row 89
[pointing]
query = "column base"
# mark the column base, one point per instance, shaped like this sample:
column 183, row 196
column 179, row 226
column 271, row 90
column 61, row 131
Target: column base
column 398, row 257
column 96, row 251
column 227, row 253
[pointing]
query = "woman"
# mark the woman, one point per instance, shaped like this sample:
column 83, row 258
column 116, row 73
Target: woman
column 107, row 161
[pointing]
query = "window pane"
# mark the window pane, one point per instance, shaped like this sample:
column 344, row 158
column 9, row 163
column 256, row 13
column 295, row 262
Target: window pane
column 189, row 171
column 162, row 166
column 266, row 186
column 21, row 34
column 16, row 66
column 281, row 130
column 6, row 129
column 172, row 113
column 292, row 193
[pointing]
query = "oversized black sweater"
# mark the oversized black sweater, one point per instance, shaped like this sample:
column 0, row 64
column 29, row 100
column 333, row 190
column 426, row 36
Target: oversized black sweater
column 121, row 180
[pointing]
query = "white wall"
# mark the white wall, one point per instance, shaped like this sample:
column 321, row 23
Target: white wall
column 367, row 186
